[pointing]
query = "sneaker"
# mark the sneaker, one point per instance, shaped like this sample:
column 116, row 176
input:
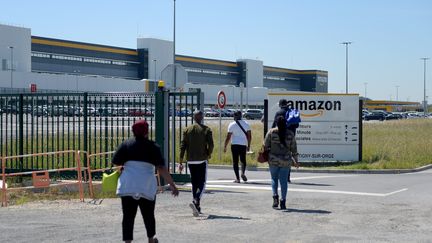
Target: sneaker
column 236, row 181
column 195, row 210
column 244, row 178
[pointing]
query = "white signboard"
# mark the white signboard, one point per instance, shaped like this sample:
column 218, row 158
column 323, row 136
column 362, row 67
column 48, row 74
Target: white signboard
column 330, row 128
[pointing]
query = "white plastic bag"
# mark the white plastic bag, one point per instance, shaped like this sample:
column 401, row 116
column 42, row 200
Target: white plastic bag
column 1, row 184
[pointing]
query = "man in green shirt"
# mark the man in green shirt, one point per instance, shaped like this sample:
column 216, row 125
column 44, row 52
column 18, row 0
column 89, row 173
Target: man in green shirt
column 197, row 142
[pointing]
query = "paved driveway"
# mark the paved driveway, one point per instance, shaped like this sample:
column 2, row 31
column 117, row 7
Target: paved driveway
column 321, row 208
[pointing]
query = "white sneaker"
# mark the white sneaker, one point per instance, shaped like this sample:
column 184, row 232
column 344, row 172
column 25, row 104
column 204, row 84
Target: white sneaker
column 195, row 211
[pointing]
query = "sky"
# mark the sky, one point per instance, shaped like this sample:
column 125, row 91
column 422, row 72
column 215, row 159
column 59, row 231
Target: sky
column 389, row 36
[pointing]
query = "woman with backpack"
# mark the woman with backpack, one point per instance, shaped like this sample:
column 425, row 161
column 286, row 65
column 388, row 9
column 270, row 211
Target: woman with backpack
column 292, row 119
column 282, row 147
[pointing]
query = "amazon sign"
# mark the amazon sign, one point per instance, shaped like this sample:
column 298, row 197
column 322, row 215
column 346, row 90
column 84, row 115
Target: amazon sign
column 330, row 128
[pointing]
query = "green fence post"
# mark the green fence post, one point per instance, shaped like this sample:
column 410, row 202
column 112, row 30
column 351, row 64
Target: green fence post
column 21, row 129
column 159, row 121
column 160, row 130
column 265, row 117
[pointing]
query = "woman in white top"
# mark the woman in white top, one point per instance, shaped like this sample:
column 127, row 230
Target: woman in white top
column 240, row 134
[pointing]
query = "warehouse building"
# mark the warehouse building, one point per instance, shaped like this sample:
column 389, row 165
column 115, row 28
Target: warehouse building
column 61, row 65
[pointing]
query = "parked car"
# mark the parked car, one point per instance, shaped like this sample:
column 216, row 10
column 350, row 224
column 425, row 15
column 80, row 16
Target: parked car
column 253, row 114
column 11, row 109
column 136, row 112
column 228, row 113
column 208, row 112
column 184, row 112
column 375, row 115
column 91, row 111
column 39, row 111
column 365, row 113
column 393, row 116
column 412, row 116
column 104, row 112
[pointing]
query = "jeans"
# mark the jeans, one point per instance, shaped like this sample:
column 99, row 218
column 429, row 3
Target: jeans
column 279, row 174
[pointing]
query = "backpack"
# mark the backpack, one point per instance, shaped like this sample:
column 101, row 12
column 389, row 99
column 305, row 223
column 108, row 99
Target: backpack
column 292, row 117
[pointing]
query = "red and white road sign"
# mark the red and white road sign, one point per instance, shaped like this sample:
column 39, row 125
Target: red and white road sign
column 221, row 99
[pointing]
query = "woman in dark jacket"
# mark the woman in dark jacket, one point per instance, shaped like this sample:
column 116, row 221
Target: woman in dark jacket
column 137, row 185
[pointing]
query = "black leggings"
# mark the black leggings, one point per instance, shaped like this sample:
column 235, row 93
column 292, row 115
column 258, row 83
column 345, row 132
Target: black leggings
column 238, row 151
column 130, row 207
column 198, row 174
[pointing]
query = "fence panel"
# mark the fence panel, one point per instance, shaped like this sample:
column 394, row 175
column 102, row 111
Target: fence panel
column 181, row 106
column 47, row 122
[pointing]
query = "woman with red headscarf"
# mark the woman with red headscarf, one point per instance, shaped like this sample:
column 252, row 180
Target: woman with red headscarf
column 137, row 184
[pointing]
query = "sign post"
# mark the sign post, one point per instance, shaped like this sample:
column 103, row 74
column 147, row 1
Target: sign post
column 221, row 100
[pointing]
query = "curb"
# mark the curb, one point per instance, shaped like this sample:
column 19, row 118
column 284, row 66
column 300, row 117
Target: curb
column 337, row 171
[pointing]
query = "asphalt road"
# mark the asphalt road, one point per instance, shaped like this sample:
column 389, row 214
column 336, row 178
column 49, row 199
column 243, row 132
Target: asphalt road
column 321, row 208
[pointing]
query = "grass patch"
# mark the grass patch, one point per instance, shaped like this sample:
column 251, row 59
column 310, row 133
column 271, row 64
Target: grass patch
column 402, row 144
column 20, row 197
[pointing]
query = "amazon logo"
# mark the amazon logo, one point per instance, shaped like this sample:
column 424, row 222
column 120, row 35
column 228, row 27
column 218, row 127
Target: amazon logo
column 310, row 115
column 315, row 108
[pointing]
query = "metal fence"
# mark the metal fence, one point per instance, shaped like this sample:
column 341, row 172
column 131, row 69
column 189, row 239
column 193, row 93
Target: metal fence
column 47, row 122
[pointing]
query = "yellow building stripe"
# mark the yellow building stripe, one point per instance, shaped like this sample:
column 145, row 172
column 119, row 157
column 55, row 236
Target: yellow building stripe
column 281, row 70
column 198, row 60
column 384, row 102
column 313, row 94
column 83, row 46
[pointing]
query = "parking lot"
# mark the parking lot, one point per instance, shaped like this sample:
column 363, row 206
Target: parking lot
column 321, row 208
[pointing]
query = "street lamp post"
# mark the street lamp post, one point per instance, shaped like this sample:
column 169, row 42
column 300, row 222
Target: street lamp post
column 76, row 72
column 346, row 64
column 424, row 85
column 365, row 84
column 154, row 63
column 241, row 96
column 397, row 92
column 174, row 47
column 11, row 67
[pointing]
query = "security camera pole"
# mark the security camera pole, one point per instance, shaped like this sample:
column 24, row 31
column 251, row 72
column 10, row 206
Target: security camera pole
column 425, row 107
column 346, row 64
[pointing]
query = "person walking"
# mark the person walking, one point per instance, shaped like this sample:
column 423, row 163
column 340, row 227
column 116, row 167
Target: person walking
column 240, row 134
column 137, row 185
column 197, row 143
column 284, row 108
column 282, row 147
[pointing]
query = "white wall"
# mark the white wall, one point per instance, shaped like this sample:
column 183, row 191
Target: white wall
column 159, row 50
column 70, row 82
column 254, row 72
column 20, row 39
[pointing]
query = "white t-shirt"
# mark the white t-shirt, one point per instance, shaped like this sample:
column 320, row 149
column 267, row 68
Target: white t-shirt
column 237, row 135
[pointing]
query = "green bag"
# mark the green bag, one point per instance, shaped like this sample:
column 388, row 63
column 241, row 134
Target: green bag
column 109, row 181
